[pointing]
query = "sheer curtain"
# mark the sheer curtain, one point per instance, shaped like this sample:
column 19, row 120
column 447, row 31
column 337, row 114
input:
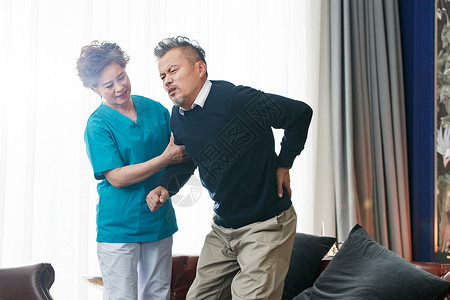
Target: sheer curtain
column 47, row 190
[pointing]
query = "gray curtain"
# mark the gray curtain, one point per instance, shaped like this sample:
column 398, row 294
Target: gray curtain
column 368, row 122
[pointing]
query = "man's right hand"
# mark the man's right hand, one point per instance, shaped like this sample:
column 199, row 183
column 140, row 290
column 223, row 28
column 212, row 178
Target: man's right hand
column 156, row 198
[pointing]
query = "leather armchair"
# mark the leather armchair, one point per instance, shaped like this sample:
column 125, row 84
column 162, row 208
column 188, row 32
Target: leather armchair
column 27, row 283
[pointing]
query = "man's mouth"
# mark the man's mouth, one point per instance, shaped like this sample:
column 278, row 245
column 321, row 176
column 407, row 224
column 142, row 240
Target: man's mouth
column 171, row 91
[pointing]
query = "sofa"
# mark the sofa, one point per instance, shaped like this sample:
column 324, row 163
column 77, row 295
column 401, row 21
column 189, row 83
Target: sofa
column 361, row 269
column 184, row 267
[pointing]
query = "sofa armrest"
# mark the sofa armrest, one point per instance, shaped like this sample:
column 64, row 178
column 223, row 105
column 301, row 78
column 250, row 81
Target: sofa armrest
column 28, row 282
column 438, row 269
column 183, row 273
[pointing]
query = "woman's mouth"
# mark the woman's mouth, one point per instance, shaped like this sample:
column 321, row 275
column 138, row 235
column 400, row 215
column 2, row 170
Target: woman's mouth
column 123, row 95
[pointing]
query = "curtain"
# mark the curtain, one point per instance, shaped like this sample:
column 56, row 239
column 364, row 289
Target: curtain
column 368, row 122
column 47, row 189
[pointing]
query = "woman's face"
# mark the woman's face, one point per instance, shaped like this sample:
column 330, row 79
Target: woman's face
column 114, row 85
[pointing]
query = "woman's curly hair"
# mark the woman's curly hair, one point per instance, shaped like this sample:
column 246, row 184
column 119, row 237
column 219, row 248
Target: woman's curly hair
column 95, row 57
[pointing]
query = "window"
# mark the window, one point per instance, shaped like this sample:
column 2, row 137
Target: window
column 47, row 189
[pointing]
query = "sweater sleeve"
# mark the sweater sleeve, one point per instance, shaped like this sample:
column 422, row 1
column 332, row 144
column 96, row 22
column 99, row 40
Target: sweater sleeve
column 176, row 176
column 295, row 121
column 278, row 112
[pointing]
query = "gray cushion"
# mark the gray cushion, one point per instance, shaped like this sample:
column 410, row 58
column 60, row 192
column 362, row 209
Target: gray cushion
column 307, row 254
column 363, row 269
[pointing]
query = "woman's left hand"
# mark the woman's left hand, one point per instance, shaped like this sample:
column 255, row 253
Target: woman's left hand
column 174, row 154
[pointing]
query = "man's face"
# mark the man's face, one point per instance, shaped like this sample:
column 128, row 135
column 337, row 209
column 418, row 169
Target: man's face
column 181, row 79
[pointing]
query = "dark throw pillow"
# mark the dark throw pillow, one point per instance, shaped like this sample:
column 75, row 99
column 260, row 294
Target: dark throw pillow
column 363, row 269
column 307, row 254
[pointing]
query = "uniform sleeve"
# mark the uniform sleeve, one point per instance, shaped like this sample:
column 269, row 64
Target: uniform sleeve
column 278, row 112
column 101, row 149
column 166, row 115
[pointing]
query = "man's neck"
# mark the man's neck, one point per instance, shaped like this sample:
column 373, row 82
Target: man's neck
column 189, row 102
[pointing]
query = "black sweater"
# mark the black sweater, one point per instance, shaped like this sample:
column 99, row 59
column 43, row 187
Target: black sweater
column 230, row 140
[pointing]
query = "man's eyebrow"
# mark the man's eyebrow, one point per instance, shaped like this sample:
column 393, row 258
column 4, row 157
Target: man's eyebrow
column 167, row 70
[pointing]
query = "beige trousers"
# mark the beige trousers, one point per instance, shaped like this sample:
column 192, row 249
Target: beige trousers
column 250, row 262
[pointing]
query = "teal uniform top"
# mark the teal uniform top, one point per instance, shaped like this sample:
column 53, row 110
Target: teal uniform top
column 112, row 141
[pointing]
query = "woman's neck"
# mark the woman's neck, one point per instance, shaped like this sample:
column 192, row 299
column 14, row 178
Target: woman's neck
column 127, row 109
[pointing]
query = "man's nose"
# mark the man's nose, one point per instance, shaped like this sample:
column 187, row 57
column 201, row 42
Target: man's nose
column 167, row 80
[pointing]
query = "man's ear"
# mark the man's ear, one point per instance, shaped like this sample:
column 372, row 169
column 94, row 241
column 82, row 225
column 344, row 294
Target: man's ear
column 202, row 68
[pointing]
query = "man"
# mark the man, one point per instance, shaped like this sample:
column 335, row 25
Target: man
column 227, row 131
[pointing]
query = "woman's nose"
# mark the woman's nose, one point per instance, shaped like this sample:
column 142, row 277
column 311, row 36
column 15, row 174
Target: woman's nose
column 118, row 87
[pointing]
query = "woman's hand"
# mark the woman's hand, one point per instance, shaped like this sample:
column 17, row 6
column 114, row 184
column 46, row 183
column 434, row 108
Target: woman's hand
column 174, row 154
column 131, row 174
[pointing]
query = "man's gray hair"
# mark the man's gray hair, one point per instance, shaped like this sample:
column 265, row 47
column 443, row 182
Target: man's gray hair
column 195, row 54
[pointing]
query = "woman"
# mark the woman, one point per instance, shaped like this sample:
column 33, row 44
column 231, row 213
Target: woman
column 128, row 144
